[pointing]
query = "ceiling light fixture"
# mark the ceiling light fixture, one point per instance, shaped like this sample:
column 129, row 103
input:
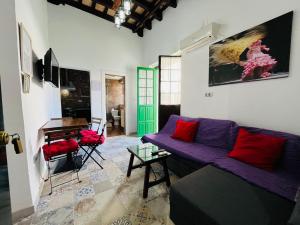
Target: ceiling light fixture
column 117, row 21
column 127, row 7
column 122, row 12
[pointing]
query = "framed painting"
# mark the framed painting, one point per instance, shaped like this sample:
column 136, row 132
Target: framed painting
column 259, row 53
column 25, row 51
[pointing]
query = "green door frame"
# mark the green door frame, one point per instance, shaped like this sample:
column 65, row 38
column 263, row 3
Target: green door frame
column 146, row 100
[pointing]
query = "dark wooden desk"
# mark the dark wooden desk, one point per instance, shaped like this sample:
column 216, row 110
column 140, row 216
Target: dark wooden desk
column 65, row 124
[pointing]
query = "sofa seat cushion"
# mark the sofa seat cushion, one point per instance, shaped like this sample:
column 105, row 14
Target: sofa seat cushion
column 196, row 152
column 278, row 181
column 211, row 196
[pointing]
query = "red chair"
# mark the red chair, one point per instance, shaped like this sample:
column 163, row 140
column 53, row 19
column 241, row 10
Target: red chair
column 56, row 149
column 92, row 142
column 90, row 131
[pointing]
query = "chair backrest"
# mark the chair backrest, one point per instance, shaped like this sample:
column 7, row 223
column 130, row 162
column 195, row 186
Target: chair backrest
column 103, row 128
column 55, row 135
column 97, row 122
column 60, row 118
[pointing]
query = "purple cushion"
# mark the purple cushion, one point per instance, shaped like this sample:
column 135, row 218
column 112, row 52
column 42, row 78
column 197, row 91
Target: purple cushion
column 211, row 132
column 217, row 133
column 279, row 182
column 196, row 152
column 290, row 160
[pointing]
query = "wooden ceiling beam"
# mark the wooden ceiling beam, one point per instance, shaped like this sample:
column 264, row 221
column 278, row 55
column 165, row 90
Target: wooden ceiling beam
column 148, row 24
column 159, row 15
column 96, row 13
column 93, row 4
column 137, row 17
column 57, row 2
column 105, row 10
column 140, row 32
column 89, row 10
column 151, row 14
column 106, row 3
column 173, row 3
column 144, row 4
column 151, row 11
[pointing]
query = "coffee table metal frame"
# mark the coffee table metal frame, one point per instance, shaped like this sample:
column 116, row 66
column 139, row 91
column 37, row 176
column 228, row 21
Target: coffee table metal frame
column 147, row 164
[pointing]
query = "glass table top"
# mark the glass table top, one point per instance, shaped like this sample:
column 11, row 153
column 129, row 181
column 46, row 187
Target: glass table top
column 147, row 152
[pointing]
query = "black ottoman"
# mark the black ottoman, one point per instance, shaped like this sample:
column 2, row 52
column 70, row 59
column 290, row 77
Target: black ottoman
column 211, row 196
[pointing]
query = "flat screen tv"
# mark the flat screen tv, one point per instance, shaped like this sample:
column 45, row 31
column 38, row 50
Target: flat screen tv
column 51, row 68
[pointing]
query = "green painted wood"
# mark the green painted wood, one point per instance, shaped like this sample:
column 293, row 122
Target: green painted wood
column 146, row 101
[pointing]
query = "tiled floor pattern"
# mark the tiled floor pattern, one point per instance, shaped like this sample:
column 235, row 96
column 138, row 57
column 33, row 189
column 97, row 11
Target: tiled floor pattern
column 105, row 197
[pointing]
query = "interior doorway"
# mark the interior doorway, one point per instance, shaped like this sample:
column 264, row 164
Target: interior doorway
column 169, row 100
column 115, row 105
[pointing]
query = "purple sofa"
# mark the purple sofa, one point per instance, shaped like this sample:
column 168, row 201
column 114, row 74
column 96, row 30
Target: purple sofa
column 214, row 139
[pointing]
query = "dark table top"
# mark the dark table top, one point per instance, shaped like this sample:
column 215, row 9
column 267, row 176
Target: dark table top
column 144, row 152
column 65, row 124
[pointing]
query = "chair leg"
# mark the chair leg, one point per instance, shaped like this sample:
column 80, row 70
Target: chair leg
column 85, row 151
column 76, row 166
column 96, row 162
column 90, row 156
column 49, row 175
column 99, row 153
column 86, row 158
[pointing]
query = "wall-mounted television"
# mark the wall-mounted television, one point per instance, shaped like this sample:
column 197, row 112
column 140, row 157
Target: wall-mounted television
column 49, row 71
column 51, row 68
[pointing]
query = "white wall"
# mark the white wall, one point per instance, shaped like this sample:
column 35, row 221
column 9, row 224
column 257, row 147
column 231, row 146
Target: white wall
column 272, row 104
column 12, row 107
column 43, row 101
column 25, row 113
column 83, row 41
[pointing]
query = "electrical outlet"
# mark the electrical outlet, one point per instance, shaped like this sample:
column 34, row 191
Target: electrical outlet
column 208, row 94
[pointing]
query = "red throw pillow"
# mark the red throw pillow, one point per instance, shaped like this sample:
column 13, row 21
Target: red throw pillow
column 185, row 130
column 260, row 150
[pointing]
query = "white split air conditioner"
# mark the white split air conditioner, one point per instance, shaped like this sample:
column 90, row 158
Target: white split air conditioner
column 198, row 39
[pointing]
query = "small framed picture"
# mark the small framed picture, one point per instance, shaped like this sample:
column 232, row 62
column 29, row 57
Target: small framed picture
column 25, row 51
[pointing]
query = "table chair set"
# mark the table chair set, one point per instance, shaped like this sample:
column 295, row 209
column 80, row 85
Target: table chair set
column 64, row 138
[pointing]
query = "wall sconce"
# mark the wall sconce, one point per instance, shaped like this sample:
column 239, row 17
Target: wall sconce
column 65, row 92
column 16, row 141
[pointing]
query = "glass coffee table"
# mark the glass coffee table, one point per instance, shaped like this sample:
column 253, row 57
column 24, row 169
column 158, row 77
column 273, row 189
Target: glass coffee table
column 149, row 153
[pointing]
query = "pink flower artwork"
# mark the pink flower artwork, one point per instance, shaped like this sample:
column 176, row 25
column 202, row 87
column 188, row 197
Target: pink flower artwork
column 258, row 64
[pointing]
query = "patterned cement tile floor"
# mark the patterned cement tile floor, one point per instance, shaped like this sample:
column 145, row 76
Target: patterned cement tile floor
column 105, row 197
